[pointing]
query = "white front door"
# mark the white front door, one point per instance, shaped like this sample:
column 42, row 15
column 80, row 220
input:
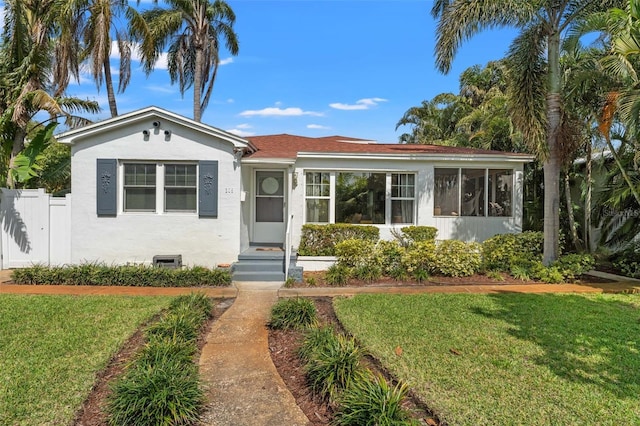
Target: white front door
column 269, row 206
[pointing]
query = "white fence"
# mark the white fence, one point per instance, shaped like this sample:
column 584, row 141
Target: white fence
column 36, row 228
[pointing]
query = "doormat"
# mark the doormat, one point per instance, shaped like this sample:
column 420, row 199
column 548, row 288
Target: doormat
column 268, row 249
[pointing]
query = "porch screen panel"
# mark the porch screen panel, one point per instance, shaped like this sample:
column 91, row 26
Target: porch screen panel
column 472, row 203
column 360, row 197
column 500, row 192
column 446, row 192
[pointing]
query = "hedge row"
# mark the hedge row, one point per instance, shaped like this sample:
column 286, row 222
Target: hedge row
column 320, row 240
column 122, row 275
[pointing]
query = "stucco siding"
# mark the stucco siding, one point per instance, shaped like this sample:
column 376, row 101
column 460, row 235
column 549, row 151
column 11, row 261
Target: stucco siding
column 138, row 236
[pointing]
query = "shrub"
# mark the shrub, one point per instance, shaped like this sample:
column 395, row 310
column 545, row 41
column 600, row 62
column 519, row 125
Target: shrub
column 419, row 259
column 500, row 250
column 355, row 253
column 166, row 392
column 457, row 259
column 414, row 234
column 122, row 275
column 337, row 274
column 333, row 366
column 627, row 261
column 294, row 313
column 320, row 240
column 389, row 255
column 573, row 265
column 371, row 401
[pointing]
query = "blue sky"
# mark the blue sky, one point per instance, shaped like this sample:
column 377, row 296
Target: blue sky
column 317, row 68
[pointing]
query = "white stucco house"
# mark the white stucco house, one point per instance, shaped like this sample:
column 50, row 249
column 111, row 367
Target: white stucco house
column 152, row 182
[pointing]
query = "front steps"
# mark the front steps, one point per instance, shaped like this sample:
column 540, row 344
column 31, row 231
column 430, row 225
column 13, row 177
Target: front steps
column 261, row 264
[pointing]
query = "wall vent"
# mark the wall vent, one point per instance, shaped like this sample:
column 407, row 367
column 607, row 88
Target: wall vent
column 173, row 261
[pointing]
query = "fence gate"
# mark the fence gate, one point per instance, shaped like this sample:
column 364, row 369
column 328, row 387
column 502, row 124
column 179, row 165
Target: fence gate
column 36, row 228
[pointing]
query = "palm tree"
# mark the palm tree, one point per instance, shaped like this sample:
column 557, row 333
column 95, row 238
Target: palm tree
column 97, row 28
column 535, row 73
column 193, row 28
column 29, row 66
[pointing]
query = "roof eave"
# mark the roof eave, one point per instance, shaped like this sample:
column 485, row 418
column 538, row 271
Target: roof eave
column 520, row 158
column 71, row 137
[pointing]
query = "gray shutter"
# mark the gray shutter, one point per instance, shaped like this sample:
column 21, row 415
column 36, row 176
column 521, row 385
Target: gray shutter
column 208, row 189
column 107, row 187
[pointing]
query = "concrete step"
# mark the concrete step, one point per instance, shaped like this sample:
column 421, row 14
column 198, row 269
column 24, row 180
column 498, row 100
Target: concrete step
column 258, row 276
column 258, row 266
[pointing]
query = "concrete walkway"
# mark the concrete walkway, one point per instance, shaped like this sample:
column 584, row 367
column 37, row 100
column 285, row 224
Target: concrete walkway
column 243, row 385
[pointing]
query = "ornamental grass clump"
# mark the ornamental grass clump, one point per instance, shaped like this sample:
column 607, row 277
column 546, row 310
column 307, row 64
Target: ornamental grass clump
column 162, row 385
column 314, row 338
column 372, row 401
column 333, row 366
column 297, row 313
column 337, row 274
column 165, row 392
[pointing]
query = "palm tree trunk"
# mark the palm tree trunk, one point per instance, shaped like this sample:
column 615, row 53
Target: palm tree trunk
column 108, row 81
column 197, row 85
column 572, row 221
column 552, row 163
column 587, row 200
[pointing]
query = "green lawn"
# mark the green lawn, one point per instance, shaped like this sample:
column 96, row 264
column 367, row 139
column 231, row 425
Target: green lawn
column 52, row 346
column 509, row 359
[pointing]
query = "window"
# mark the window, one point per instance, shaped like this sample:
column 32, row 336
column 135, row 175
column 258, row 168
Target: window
column 402, row 197
column 180, row 187
column 360, row 197
column 140, row 187
column 318, row 196
column 461, row 192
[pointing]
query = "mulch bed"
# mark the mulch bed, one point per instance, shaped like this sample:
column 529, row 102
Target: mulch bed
column 283, row 345
column 316, row 279
column 92, row 412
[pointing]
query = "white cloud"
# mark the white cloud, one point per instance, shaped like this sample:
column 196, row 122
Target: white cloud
column 230, row 101
column 243, row 126
column 240, row 132
column 361, row 104
column 279, row 112
column 317, row 126
column 161, row 63
column 226, row 61
column 162, row 89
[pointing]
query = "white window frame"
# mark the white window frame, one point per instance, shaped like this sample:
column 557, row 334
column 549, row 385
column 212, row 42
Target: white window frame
column 160, row 205
column 319, row 197
column 194, row 187
column 124, row 187
column 388, row 199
